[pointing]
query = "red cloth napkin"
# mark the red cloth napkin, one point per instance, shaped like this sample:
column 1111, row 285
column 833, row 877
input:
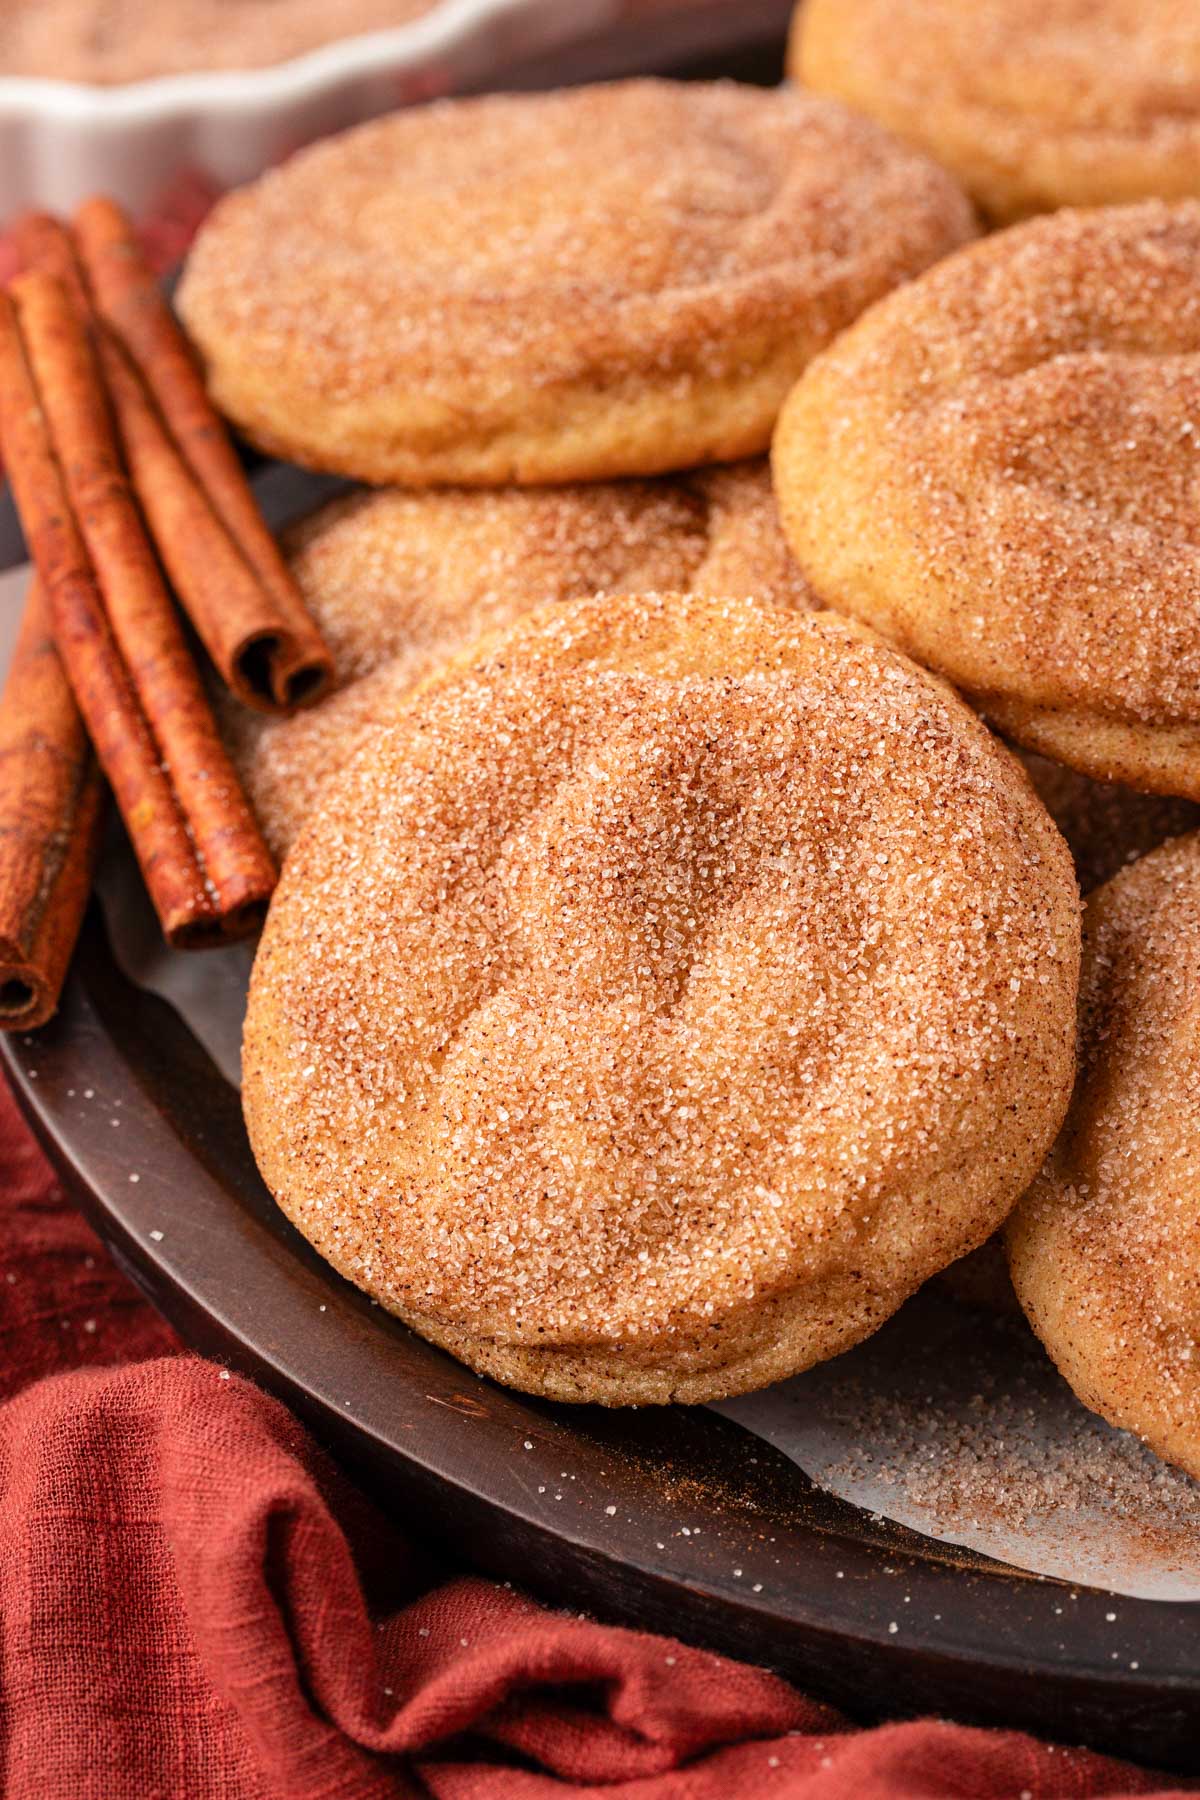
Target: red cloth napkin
column 194, row 1603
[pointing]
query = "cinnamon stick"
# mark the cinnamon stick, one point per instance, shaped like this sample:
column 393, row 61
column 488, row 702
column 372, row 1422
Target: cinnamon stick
column 202, row 856
column 51, row 812
column 127, row 752
column 43, row 242
column 271, row 652
column 215, row 584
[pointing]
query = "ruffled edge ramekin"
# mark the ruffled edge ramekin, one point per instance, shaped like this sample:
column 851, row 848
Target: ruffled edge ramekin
column 60, row 141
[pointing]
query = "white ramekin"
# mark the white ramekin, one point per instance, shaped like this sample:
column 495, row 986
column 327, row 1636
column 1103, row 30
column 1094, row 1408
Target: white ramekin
column 60, row 141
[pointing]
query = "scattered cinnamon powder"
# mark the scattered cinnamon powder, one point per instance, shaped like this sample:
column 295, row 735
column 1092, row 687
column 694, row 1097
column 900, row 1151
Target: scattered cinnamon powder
column 954, row 1422
column 993, row 1460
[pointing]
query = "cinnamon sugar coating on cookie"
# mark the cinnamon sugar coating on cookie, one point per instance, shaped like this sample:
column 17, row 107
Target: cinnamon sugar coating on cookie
column 1034, row 104
column 678, row 985
column 401, row 582
column 1105, row 1250
column 616, row 280
column 999, row 469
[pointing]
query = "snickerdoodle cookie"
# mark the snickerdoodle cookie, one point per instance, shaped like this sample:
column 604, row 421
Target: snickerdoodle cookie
column 1034, row 104
column 401, row 582
column 1106, row 827
column 1105, row 1249
column 673, row 989
column 999, row 469
column 615, row 280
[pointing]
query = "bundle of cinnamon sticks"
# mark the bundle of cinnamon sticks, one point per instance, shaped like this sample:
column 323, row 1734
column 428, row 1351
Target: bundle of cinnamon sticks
column 132, row 498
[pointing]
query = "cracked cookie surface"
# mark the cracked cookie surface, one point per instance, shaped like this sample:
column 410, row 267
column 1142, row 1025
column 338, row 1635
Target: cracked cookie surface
column 678, row 985
column 605, row 281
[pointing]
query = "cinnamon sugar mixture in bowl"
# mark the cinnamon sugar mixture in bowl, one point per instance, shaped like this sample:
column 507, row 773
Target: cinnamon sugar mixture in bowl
column 105, row 42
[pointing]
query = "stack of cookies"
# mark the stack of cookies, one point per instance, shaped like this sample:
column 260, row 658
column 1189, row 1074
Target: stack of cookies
column 677, row 955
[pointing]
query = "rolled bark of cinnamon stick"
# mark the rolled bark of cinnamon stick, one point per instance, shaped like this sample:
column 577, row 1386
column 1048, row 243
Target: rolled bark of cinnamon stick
column 220, row 591
column 203, row 858
column 271, row 652
column 43, row 242
column 51, row 813
column 127, row 752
